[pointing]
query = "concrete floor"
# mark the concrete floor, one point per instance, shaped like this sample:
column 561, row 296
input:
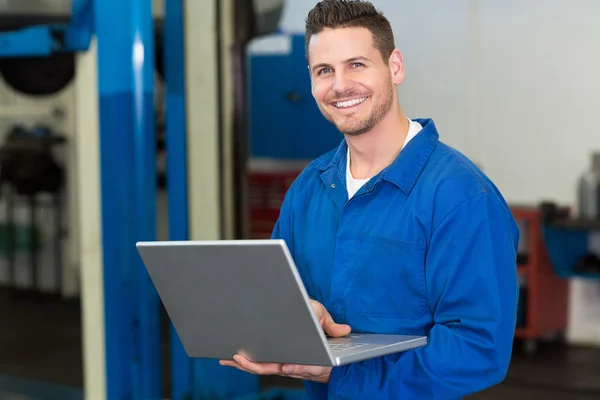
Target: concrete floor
column 40, row 341
column 554, row 372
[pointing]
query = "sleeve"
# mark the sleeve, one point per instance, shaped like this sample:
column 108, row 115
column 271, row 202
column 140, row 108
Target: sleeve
column 472, row 285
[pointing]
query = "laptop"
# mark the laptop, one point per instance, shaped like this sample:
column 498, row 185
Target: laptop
column 246, row 297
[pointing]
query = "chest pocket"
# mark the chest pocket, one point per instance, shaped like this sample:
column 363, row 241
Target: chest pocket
column 389, row 278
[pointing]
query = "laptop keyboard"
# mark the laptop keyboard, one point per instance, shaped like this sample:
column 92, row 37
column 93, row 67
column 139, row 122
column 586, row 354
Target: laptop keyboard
column 345, row 346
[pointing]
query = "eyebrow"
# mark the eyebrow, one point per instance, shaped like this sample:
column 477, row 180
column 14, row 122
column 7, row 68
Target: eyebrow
column 348, row 61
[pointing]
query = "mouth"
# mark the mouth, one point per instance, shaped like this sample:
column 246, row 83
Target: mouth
column 346, row 104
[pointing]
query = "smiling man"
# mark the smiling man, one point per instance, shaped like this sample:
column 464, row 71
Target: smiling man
column 394, row 231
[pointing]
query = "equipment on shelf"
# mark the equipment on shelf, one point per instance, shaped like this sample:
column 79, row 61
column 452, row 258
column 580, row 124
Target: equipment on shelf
column 567, row 241
column 588, row 191
column 28, row 168
column 39, row 75
column 590, row 264
column 27, row 162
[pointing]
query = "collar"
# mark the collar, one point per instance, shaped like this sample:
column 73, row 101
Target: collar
column 405, row 169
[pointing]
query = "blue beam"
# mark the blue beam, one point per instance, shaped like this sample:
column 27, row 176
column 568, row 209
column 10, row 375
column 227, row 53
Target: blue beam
column 43, row 40
column 144, row 129
column 79, row 32
column 128, row 179
column 190, row 379
column 26, row 42
column 177, row 194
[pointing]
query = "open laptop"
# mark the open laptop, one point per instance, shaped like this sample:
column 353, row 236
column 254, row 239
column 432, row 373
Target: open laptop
column 246, row 297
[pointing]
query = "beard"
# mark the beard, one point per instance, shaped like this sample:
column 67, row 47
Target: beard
column 354, row 127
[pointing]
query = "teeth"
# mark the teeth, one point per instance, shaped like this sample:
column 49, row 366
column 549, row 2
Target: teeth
column 349, row 103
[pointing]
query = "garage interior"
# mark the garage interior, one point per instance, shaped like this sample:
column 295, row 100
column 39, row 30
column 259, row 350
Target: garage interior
column 518, row 98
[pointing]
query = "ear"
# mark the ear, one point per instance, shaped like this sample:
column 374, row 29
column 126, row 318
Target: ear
column 396, row 64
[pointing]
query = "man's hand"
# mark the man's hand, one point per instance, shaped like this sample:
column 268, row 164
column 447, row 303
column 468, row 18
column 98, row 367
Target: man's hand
column 311, row 373
column 304, row 372
column 329, row 326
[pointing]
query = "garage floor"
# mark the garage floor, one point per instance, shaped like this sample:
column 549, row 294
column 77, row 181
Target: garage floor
column 40, row 358
column 554, row 372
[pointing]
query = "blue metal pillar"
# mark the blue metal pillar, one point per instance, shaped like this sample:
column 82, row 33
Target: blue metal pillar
column 177, row 194
column 124, row 31
column 190, row 379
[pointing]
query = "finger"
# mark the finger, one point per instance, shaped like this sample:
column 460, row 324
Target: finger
column 303, row 371
column 258, row 368
column 235, row 365
column 328, row 324
column 320, row 310
column 337, row 330
column 334, row 329
column 300, row 377
column 323, row 322
column 293, row 370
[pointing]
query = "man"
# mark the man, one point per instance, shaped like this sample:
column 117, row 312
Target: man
column 394, row 231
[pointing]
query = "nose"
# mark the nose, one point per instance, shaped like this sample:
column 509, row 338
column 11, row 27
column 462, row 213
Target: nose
column 341, row 83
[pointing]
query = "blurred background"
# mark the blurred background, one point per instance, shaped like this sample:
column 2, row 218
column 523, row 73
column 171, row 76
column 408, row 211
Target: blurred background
column 127, row 120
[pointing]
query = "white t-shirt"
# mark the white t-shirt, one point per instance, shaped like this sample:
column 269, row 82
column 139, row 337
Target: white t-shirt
column 354, row 185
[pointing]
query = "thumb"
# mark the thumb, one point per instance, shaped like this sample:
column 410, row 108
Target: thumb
column 337, row 330
column 333, row 329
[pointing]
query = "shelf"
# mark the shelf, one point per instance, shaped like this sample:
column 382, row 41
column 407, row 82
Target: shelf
column 585, row 275
column 522, row 269
column 567, row 245
column 576, row 224
column 521, row 333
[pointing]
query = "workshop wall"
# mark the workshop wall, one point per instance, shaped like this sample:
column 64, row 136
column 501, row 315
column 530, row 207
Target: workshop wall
column 59, row 112
column 512, row 84
column 56, row 112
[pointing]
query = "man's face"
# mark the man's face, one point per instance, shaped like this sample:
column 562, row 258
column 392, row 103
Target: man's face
column 351, row 83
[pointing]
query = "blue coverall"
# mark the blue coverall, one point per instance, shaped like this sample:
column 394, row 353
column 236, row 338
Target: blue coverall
column 428, row 247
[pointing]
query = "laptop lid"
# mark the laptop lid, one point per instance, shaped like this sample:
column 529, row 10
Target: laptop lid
column 240, row 296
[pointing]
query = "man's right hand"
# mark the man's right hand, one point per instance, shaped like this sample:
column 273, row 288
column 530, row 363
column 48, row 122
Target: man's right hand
column 330, row 328
column 305, row 372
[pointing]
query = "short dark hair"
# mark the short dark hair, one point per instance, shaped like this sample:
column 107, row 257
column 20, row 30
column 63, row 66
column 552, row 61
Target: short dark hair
column 334, row 14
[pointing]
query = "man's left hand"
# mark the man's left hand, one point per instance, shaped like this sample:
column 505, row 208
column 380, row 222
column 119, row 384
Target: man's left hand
column 304, row 372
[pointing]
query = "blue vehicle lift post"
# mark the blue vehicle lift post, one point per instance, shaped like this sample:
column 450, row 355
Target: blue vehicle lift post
column 193, row 379
column 177, row 195
column 124, row 31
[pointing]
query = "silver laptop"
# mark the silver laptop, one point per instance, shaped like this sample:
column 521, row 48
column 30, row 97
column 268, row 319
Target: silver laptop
column 246, row 297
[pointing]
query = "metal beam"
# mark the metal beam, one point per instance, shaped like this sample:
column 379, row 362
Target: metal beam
column 198, row 162
column 124, row 30
column 177, row 176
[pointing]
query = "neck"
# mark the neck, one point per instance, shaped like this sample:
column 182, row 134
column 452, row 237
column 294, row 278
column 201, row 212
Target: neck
column 374, row 150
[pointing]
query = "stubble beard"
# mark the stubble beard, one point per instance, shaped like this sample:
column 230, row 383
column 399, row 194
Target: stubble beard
column 359, row 127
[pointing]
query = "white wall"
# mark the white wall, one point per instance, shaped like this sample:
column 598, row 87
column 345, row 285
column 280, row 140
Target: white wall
column 514, row 85
column 537, row 98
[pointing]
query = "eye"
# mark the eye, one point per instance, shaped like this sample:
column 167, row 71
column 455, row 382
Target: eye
column 357, row 65
column 324, row 71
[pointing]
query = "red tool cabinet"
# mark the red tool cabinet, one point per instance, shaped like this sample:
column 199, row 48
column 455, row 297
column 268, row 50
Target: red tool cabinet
column 543, row 306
